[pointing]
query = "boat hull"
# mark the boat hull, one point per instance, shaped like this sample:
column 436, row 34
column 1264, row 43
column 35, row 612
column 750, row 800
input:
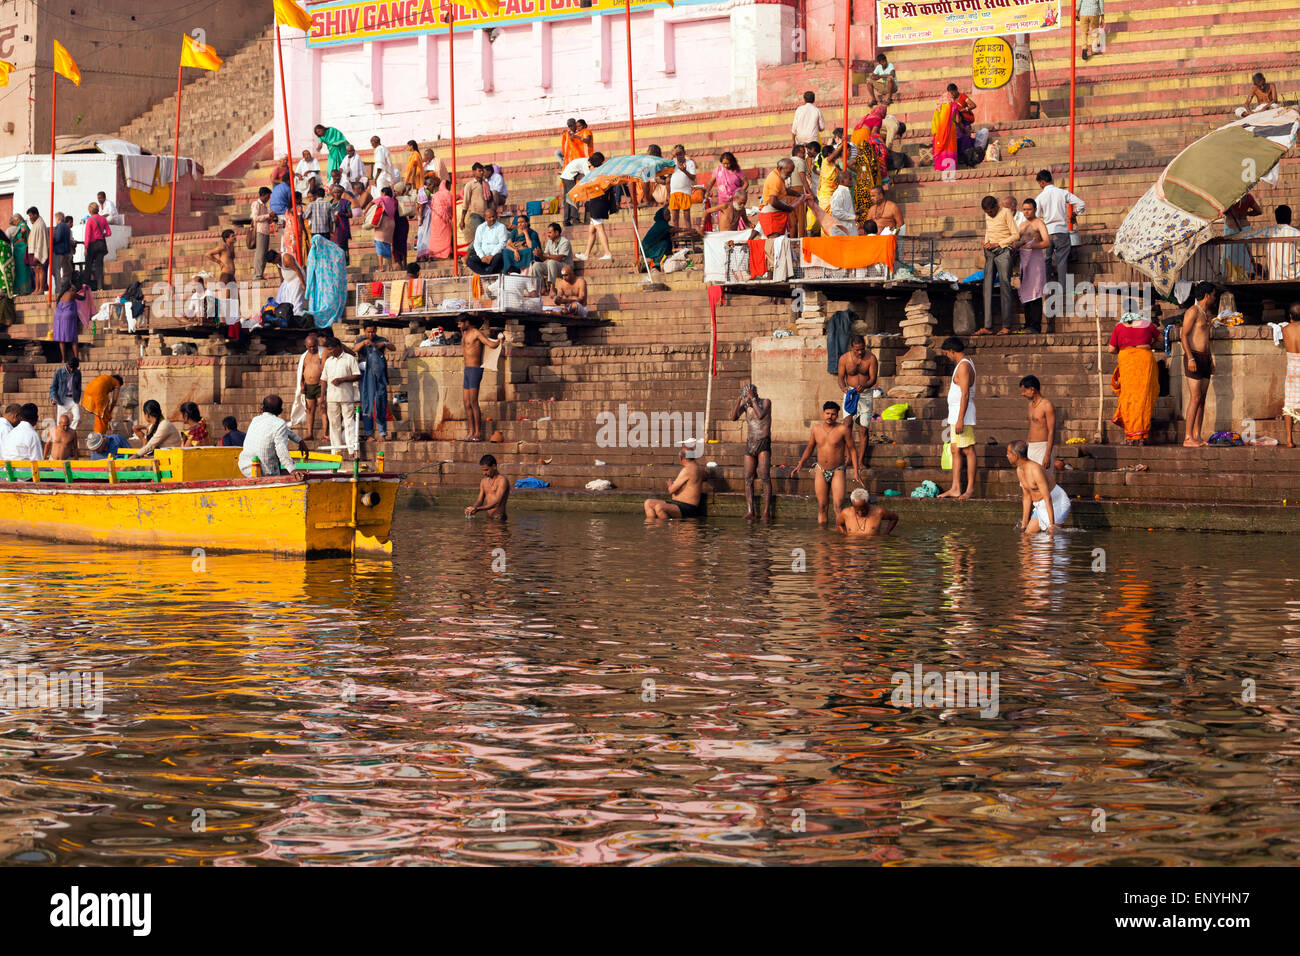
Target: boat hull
column 320, row 515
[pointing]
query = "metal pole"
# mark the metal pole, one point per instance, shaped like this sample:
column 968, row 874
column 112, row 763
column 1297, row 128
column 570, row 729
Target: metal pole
column 176, row 159
column 451, row 75
column 54, row 113
column 1074, row 54
column 848, row 69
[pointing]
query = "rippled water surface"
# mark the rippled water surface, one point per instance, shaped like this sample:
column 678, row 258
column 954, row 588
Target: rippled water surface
column 587, row 689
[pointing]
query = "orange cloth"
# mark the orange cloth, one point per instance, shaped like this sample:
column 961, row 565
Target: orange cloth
column 757, row 258
column 95, row 397
column 575, row 145
column 774, row 187
column 1137, row 383
column 851, row 252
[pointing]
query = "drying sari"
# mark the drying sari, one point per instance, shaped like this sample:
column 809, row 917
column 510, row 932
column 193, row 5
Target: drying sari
column 327, row 282
column 943, row 133
column 1136, row 380
column 334, row 140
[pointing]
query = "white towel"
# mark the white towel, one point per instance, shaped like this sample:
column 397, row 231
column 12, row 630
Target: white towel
column 1277, row 332
column 139, row 172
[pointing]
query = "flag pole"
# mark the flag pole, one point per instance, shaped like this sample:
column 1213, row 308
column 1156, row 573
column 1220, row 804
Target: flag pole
column 54, row 113
column 848, row 69
column 288, row 147
column 176, row 179
column 451, row 76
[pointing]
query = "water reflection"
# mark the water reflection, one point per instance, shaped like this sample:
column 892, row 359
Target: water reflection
column 589, row 689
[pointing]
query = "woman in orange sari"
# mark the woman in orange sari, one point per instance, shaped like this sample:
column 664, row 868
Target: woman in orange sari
column 1136, row 380
column 943, row 132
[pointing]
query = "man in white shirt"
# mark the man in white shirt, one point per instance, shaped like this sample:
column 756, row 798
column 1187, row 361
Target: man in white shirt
column 485, row 255
column 354, row 171
column 341, row 375
column 22, row 443
column 680, row 186
column 267, row 439
column 1054, row 204
column 108, row 209
column 307, row 170
column 570, row 175
column 11, row 416
column 808, row 122
column 384, row 169
column 1283, row 257
column 557, row 252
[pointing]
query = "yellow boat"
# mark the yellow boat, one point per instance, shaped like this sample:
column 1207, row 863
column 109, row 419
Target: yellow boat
column 197, row 498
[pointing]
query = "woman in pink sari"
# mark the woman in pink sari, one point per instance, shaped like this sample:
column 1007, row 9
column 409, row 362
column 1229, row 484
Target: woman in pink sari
column 442, row 213
column 728, row 180
column 943, row 132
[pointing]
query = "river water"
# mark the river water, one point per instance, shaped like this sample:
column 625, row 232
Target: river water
column 581, row 688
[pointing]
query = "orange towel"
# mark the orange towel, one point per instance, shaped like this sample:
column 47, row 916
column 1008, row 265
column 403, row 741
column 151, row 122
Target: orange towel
column 476, row 286
column 851, row 252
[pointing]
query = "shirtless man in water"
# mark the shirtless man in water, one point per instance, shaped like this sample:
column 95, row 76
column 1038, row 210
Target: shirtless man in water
column 493, row 490
column 863, row 518
column 758, row 447
column 62, row 445
column 686, row 490
column 1042, row 421
column 857, row 373
column 1198, row 363
column 312, row 366
column 1046, row 505
column 472, row 343
column 834, row 446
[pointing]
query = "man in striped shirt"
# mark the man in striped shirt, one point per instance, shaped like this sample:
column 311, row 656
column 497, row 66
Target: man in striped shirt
column 320, row 215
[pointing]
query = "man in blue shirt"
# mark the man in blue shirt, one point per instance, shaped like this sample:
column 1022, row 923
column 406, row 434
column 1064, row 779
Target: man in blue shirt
column 65, row 390
column 486, row 256
column 281, row 198
column 105, row 446
column 61, row 264
column 233, row 438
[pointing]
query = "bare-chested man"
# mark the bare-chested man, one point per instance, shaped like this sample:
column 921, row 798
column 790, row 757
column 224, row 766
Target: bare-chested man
column 62, row 444
column 1046, row 505
column 1198, row 363
column 472, row 343
column 834, row 445
column 493, row 491
column 686, row 491
column 758, row 447
column 309, row 381
column 223, row 256
column 885, row 213
column 1291, row 391
column 570, row 293
column 1042, row 421
column 862, row 517
column 857, row 373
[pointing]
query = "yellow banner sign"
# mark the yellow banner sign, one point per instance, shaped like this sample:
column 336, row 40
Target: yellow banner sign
column 992, row 63
column 361, row 21
column 940, row 21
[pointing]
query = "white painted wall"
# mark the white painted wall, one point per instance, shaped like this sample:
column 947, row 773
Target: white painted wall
column 78, row 177
column 534, row 76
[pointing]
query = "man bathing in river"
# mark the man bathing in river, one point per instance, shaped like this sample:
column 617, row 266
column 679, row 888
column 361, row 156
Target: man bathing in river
column 493, row 491
column 686, row 490
column 857, row 373
column 862, row 518
column 758, row 447
column 1046, row 505
column 473, row 342
column 831, row 438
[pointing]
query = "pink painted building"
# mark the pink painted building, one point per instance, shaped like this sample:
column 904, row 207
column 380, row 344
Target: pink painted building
column 373, row 68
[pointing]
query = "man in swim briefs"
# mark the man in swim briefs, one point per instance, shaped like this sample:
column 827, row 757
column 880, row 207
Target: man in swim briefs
column 862, row 517
column 857, row 373
column 1046, row 505
column 830, row 437
column 686, row 491
column 472, row 342
column 312, row 366
column 758, row 447
column 1198, row 363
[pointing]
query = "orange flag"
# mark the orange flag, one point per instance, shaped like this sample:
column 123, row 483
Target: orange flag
column 290, row 14
column 5, row 69
column 65, row 65
column 198, row 55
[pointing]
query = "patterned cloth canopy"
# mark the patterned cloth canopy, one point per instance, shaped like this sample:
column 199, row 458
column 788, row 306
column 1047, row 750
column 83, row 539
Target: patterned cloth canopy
column 619, row 171
column 1176, row 215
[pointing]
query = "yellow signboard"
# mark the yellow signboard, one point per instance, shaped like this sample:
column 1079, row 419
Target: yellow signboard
column 992, row 63
column 940, row 21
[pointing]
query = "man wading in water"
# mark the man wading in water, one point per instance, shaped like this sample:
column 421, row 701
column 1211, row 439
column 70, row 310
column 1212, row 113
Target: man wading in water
column 863, row 518
column 1046, row 505
column 686, row 490
column 834, row 446
column 758, row 447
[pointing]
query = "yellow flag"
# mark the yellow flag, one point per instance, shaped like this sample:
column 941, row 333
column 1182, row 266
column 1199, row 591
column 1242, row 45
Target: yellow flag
column 291, row 15
column 489, row 8
column 199, row 55
column 5, row 69
column 65, row 65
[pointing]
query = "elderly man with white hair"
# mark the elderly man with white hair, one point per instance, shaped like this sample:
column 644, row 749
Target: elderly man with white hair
column 865, row 518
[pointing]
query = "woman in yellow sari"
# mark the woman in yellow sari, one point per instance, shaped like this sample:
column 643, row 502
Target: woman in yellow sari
column 828, row 180
column 1136, row 380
